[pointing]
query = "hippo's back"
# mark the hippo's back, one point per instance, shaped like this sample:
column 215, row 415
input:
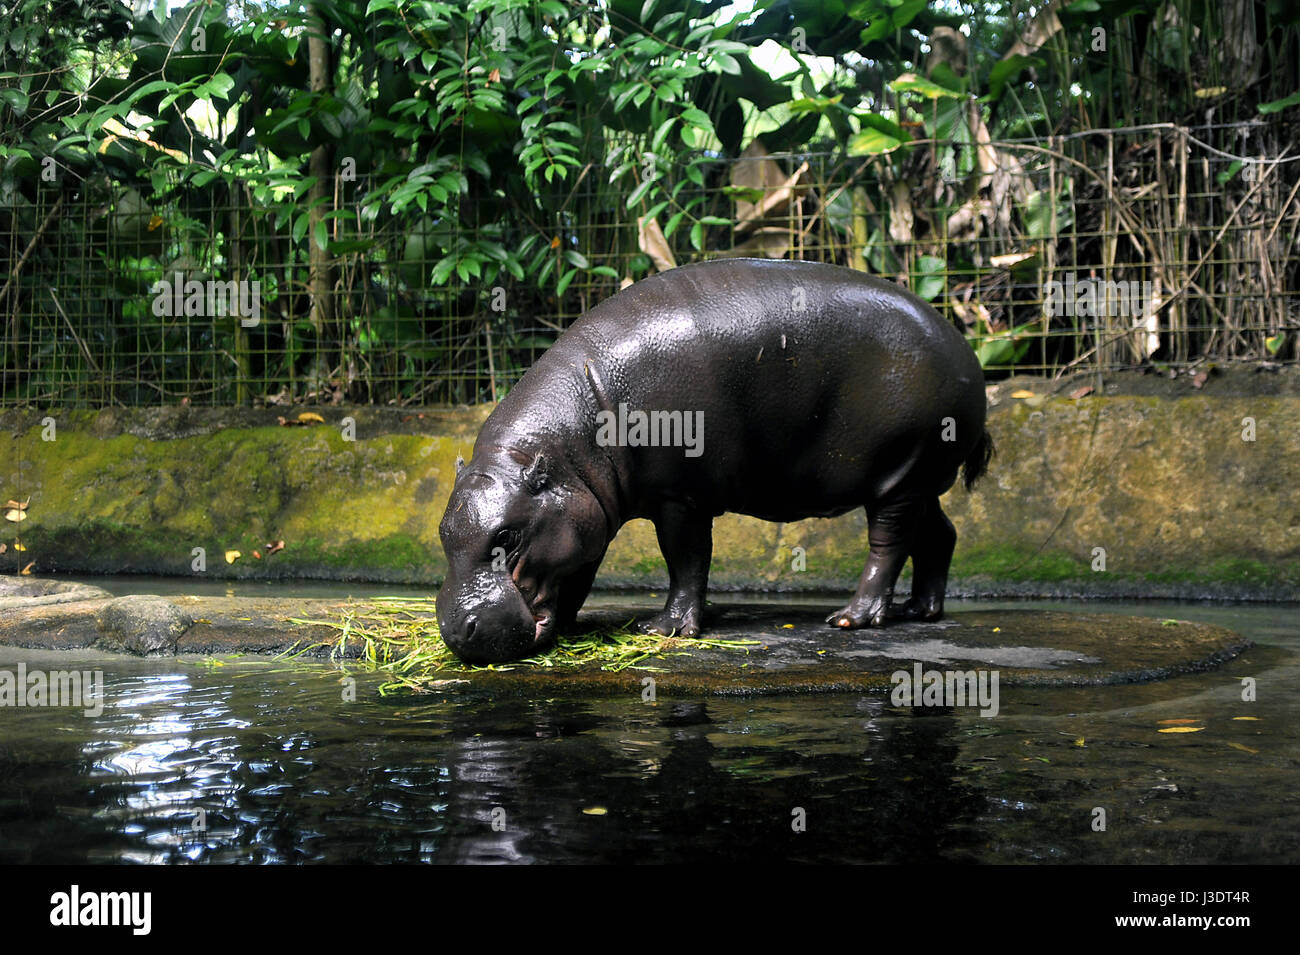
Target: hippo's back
column 819, row 386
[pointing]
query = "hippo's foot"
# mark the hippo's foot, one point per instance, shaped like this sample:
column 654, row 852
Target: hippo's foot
column 917, row 608
column 861, row 612
column 670, row 624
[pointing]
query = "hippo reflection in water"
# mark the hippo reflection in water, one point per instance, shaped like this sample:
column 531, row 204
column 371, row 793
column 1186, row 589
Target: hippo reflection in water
column 809, row 390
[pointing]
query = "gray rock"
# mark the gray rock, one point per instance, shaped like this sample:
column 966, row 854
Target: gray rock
column 142, row 625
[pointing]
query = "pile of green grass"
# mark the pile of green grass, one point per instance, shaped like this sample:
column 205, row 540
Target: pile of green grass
column 400, row 636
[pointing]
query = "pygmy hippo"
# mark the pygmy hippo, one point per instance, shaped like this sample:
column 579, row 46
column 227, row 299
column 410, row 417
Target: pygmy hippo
column 778, row 389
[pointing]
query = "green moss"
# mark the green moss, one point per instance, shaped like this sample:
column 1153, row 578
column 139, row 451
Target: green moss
column 1009, row 563
column 1237, row 570
column 398, row 551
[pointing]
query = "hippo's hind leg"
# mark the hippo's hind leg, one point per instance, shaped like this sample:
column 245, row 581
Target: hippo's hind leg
column 686, row 539
column 891, row 528
column 932, row 547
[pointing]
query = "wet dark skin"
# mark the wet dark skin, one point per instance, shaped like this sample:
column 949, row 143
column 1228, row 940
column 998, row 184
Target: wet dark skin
column 817, row 389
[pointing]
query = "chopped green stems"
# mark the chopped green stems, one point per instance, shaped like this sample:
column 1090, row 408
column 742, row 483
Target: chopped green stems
column 400, row 636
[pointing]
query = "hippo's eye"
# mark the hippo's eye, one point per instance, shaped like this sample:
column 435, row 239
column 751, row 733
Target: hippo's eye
column 506, row 538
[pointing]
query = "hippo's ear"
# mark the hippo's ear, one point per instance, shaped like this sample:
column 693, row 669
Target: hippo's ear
column 460, row 464
column 534, row 475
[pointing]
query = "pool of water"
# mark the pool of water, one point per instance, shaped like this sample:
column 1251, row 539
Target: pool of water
column 261, row 760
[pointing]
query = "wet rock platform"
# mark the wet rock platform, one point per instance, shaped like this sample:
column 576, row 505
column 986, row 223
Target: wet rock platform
column 796, row 652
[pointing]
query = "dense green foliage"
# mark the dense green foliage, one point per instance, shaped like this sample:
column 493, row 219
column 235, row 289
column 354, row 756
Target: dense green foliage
column 475, row 145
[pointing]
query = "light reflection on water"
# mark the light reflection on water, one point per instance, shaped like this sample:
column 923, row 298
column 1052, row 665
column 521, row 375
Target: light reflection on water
column 262, row 761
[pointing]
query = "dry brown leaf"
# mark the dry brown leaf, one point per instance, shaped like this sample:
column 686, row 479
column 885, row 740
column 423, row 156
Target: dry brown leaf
column 1010, row 259
column 1177, row 722
column 650, row 239
column 1022, row 393
column 1181, row 729
column 1082, row 392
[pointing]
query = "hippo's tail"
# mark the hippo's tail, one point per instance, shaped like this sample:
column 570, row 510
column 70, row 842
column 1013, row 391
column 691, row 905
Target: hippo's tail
column 977, row 462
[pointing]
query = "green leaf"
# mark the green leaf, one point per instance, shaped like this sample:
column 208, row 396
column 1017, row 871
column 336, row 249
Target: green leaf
column 640, row 192
column 661, row 134
column 872, row 142
column 1278, row 105
column 219, row 86
column 911, row 83
column 563, row 284
column 928, row 280
column 1226, row 176
column 814, row 104
column 1006, row 70
column 727, row 62
column 17, row 100
column 697, row 118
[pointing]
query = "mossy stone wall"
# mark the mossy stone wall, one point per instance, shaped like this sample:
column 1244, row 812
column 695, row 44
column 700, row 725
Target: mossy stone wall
column 1168, row 493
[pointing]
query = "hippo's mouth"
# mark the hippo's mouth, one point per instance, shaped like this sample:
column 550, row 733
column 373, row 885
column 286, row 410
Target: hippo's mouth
column 544, row 626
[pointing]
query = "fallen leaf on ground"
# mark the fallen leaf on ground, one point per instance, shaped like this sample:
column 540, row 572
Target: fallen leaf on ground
column 1181, row 729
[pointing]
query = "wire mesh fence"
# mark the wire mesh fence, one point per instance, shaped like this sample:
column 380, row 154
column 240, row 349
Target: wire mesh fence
column 1100, row 250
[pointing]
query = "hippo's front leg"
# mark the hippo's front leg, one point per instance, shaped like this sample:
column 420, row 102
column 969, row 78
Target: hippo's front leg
column 574, row 590
column 890, row 528
column 686, row 539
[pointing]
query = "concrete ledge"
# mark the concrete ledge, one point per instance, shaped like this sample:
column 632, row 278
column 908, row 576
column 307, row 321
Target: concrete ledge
column 797, row 651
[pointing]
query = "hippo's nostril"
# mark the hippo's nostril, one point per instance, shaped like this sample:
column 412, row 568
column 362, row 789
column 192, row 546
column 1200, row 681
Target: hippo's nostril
column 470, row 623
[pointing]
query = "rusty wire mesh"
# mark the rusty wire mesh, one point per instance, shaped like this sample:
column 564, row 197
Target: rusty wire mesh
column 1100, row 250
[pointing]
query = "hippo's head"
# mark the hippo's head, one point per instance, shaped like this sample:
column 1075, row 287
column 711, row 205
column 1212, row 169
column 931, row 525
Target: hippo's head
column 513, row 533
